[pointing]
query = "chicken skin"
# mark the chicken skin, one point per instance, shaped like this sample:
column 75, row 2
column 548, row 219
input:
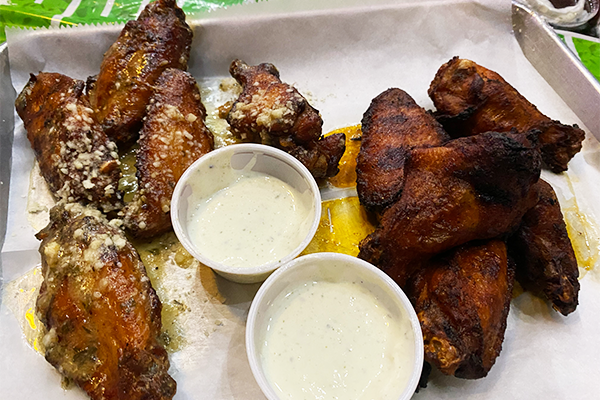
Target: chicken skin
column 471, row 188
column 159, row 39
column 392, row 125
column 173, row 137
column 271, row 112
column 471, row 99
column 462, row 299
column 101, row 314
column 543, row 253
column 76, row 158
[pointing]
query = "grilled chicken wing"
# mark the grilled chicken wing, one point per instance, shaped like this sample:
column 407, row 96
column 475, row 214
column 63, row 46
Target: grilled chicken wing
column 471, row 188
column 173, row 137
column 462, row 299
column 100, row 311
column 392, row 125
column 159, row 39
column 75, row 156
column 471, row 99
column 271, row 112
column 543, row 253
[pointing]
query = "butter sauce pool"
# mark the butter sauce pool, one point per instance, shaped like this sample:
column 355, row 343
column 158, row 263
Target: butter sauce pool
column 337, row 341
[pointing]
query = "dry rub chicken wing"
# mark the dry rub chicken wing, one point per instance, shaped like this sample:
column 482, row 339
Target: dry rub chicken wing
column 543, row 253
column 102, row 316
column 471, row 99
column 462, row 299
column 75, row 156
column 472, row 188
column 159, row 39
column 173, row 137
column 392, row 125
column 271, row 112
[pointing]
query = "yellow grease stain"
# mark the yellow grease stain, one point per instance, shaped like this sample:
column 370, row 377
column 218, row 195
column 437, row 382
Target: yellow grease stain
column 30, row 317
column 344, row 223
column 347, row 175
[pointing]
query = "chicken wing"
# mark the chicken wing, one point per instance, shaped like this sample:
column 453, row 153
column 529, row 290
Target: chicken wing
column 101, row 314
column 471, row 99
column 159, row 39
column 472, row 188
column 392, row 125
column 462, row 299
column 544, row 255
column 271, row 112
column 75, row 156
column 173, row 137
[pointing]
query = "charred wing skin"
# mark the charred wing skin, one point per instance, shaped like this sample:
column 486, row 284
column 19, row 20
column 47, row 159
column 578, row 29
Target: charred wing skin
column 392, row 125
column 76, row 158
column 462, row 300
column 159, row 39
column 274, row 113
column 471, row 99
column 173, row 137
column 102, row 316
column 477, row 187
column 543, row 253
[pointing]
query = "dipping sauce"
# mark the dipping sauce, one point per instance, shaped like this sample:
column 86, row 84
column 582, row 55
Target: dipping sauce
column 253, row 221
column 565, row 13
column 337, row 341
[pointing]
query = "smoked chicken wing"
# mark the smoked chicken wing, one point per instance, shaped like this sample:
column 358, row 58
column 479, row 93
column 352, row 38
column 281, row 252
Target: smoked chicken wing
column 75, row 156
column 159, row 39
column 543, row 253
column 173, row 137
column 471, row 188
column 271, row 112
column 392, row 125
column 101, row 314
column 462, row 299
column 471, row 99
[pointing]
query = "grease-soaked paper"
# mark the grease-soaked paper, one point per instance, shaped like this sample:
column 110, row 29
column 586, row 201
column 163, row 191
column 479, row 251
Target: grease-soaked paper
column 340, row 59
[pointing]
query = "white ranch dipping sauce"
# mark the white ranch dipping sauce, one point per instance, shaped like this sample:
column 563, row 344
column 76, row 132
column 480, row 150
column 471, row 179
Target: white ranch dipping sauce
column 336, row 341
column 253, row 221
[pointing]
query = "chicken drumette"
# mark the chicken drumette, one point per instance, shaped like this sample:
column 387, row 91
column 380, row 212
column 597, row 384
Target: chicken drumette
column 271, row 112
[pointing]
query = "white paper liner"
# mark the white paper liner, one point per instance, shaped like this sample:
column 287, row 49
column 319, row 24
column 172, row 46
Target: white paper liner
column 344, row 58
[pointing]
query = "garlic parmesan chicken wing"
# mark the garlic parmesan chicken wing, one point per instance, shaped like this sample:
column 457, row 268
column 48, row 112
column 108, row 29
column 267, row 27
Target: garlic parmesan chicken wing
column 101, row 314
column 271, row 112
column 471, row 188
column 471, row 99
column 159, row 39
column 392, row 125
column 462, row 299
column 173, row 137
column 543, row 253
column 75, row 156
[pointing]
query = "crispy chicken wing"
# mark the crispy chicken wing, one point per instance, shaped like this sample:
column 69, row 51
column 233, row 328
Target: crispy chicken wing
column 173, row 137
column 543, row 253
column 159, row 39
column 392, row 125
column 462, row 299
column 471, row 99
column 100, row 311
column 75, row 156
column 472, row 188
column 271, row 112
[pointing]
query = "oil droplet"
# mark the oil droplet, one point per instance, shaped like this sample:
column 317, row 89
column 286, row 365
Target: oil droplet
column 30, row 316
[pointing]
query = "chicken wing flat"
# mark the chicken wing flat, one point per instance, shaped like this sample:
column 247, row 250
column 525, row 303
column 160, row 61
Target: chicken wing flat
column 274, row 113
column 543, row 253
column 462, row 299
column 472, row 188
column 101, row 314
column 392, row 125
column 75, row 156
column 471, row 99
column 159, row 39
column 173, row 137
